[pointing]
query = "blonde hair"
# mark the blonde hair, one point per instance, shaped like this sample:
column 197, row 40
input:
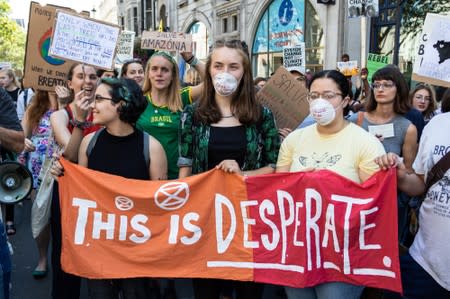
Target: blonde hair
column 174, row 102
column 10, row 73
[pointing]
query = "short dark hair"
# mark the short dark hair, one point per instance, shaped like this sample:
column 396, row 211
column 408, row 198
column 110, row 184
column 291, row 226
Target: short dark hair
column 125, row 65
column 100, row 72
column 401, row 102
column 337, row 77
column 126, row 90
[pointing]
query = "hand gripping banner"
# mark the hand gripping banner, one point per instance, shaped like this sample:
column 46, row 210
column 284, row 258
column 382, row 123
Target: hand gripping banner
column 293, row 229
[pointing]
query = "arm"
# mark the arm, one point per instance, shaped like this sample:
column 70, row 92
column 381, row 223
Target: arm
column 409, row 148
column 185, row 172
column 11, row 139
column 408, row 182
column 82, row 157
column 185, row 142
column 29, row 146
column 200, row 68
column 158, row 160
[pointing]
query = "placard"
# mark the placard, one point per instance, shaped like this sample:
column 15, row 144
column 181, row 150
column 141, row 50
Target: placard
column 41, row 70
column 294, row 58
column 376, row 62
column 166, row 41
column 84, row 40
column 286, row 97
column 432, row 62
column 362, row 8
column 125, row 47
column 348, row 68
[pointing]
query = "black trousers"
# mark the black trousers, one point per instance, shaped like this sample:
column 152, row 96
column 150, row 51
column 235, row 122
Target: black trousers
column 64, row 285
column 213, row 288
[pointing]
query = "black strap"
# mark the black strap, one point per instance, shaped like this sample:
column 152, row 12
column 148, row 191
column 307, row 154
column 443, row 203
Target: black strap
column 25, row 98
column 437, row 172
column 146, row 137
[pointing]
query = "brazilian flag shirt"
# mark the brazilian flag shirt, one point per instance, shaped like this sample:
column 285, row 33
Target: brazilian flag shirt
column 162, row 124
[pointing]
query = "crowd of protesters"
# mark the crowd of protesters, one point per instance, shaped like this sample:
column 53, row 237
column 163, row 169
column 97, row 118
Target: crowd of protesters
column 171, row 132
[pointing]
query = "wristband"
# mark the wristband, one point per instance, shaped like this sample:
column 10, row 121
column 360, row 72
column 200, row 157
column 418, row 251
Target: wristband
column 82, row 125
column 189, row 61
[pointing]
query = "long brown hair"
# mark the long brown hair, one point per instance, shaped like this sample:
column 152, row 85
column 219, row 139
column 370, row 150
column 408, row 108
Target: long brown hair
column 174, row 102
column 432, row 104
column 38, row 106
column 244, row 104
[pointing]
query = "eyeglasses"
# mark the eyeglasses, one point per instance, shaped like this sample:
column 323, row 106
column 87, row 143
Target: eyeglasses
column 98, row 98
column 421, row 98
column 385, row 85
column 327, row 95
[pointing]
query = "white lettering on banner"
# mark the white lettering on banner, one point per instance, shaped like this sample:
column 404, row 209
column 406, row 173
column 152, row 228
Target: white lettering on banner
column 248, row 221
column 268, row 205
column 137, row 223
column 222, row 244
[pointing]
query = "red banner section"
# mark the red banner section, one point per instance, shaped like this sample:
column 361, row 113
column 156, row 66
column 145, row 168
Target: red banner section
column 293, row 229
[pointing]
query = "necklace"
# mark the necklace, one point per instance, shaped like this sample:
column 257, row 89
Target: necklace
column 228, row 116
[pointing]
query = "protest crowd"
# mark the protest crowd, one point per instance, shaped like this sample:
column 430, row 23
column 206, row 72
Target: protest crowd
column 139, row 121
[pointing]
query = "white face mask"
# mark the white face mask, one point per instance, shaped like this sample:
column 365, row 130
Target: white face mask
column 322, row 111
column 225, row 84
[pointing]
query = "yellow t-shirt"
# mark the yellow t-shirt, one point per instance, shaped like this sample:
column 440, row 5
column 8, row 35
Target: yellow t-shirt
column 345, row 152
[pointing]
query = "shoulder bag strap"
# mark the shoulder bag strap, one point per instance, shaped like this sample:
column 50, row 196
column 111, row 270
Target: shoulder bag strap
column 93, row 141
column 437, row 172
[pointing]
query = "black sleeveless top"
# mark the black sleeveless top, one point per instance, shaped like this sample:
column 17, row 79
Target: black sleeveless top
column 123, row 156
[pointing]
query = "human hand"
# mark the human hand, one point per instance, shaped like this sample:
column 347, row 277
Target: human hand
column 62, row 92
column 230, row 166
column 83, row 100
column 29, row 146
column 57, row 169
column 187, row 56
column 284, row 132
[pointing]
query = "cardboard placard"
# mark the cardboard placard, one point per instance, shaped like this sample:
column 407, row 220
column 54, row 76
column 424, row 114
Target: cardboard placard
column 362, row 8
column 376, row 62
column 286, row 97
column 41, row 70
column 433, row 53
column 125, row 47
column 348, row 68
column 166, row 41
column 294, row 58
column 84, row 40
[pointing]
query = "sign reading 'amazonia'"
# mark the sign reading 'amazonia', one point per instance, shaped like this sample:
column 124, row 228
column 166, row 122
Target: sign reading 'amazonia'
column 294, row 229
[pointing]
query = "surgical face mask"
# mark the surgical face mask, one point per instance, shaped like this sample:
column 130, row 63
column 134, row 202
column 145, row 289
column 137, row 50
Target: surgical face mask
column 322, row 111
column 225, row 84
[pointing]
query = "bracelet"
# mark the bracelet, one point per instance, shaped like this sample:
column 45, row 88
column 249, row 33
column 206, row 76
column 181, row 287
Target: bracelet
column 82, row 125
column 189, row 61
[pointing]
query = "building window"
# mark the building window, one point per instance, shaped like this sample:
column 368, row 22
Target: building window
column 129, row 20
column 224, row 25
column 135, row 20
column 287, row 23
column 235, row 22
column 148, row 15
column 122, row 22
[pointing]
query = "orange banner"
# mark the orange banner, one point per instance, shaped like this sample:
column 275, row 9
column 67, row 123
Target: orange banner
column 296, row 229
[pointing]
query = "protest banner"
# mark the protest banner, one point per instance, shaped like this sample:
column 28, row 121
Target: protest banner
column 294, row 58
column 166, row 41
column 125, row 47
column 84, row 40
column 41, row 70
column 294, row 229
column 376, row 62
column 433, row 52
column 363, row 8
column 286, row 97
column 348, row 68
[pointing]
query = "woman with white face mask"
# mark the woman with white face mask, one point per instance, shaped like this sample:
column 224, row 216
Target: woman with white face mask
column 227, row 129
column 335, row 144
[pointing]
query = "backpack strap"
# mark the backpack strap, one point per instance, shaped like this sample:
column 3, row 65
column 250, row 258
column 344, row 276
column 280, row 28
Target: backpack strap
column 93, row 141
column 25, row 99
column 146, row 148
column 360, row 120
column 437, row 172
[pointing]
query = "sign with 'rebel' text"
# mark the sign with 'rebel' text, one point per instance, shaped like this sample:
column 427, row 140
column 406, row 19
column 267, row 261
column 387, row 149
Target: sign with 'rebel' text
column 167, row 41
column 84, row 40
column 293, row 229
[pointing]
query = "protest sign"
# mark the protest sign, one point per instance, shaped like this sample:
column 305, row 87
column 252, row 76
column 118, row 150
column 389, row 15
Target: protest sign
column 286, row 97
column 84, row 40
column 125, row 47
column 294, row 229
column 294, row 58
column 348, row 68
column 376, row 62
column 41, row 70
column 362, row 8
column 433, row 52
column 166, row 41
